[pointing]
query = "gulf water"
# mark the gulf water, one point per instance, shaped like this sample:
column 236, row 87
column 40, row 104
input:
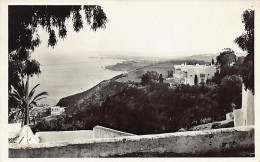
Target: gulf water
column 64, row 79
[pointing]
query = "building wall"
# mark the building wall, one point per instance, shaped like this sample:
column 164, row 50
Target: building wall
column 193, row 70
column 238, row 117
column 192, row 143
column 57, row 110
column 251, row 109
column 246, row 115
column 102, row 132
column 248, row 107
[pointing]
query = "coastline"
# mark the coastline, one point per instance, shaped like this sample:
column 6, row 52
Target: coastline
column 54, row 78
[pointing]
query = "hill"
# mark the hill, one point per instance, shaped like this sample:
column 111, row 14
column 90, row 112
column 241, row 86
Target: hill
column 81, row 97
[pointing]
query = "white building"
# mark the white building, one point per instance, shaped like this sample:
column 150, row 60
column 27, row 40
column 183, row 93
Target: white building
column 246, row 115
column 57, row 110
column 186, row 73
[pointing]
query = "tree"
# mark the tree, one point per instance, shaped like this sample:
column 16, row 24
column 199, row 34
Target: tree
column 195, row 80
column 160, row 78
column 212, row 61
column 148, row 77
column 23, row 24
column 226, row 57
column 170, row 74
column 145, row 79
column 230, row 90
column 19, row 96
column 21, row 69
column 246, row 43
column 240, row 61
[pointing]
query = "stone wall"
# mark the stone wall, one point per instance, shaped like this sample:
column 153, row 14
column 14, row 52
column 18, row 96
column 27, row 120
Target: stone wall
column 192, row 143
column 102, row 132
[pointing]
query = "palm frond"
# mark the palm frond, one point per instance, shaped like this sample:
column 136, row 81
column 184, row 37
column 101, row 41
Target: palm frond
column 40, row 98
column 39, row 95
column 33, row 103
column 32, row 91
column 16, row 98
column 16, row 93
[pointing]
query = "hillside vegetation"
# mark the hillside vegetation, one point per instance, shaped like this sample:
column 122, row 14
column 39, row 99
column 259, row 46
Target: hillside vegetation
column 81, row 97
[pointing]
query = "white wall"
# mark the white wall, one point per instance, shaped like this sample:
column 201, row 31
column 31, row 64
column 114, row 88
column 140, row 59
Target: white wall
column 246, row 115
column 248, row 107
column 102, row 132
column 192, row 143
column 193, row 70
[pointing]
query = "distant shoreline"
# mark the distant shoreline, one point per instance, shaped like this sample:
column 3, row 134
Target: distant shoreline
column 127, row 65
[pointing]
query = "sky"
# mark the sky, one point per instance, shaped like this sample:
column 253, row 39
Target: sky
column 149, row 28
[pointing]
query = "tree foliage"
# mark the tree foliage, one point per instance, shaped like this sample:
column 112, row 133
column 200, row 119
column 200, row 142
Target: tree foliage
column 246, row 43
column 226, row 57
column 151, row 109
column 149, row 77
column 212, row 61
column 230, row 91
column 160, row 78
column 24, row 22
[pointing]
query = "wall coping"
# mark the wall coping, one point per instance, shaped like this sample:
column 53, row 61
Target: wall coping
column 113, row 130
column 131, row 138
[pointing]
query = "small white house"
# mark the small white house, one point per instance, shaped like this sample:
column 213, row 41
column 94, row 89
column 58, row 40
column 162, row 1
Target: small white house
column 57, row 110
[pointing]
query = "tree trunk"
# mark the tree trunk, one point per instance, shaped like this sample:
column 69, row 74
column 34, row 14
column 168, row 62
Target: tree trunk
column 27, row 118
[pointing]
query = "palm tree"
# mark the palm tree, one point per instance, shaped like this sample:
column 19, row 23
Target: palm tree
column 25, row 100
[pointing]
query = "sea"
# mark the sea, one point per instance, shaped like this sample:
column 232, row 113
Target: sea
column 65, row 79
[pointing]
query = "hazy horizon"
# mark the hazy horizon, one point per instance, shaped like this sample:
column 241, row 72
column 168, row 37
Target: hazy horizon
column 165, row 29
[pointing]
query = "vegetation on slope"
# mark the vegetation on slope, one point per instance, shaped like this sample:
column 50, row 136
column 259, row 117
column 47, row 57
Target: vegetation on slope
column 143, row 110
column 81, row 97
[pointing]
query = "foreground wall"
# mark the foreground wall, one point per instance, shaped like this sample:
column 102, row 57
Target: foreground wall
column 102, row 132
column 192, row 143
